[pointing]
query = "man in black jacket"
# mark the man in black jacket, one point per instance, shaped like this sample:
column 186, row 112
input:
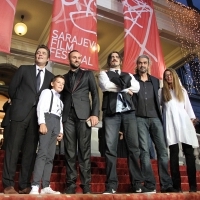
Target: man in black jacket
column 24, row 91
column 149, row 121
column 118, row 110
column 77, row 110
column 5, row 124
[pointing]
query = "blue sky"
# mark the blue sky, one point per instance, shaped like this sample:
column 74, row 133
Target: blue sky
column 196, row 3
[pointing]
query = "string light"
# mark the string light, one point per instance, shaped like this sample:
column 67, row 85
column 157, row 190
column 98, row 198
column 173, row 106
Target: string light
column 195, row 73
column 185, row 21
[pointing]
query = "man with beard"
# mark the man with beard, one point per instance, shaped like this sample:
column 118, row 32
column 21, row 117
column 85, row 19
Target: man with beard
column 149, row 121
column 77, row 111
column 119, row 111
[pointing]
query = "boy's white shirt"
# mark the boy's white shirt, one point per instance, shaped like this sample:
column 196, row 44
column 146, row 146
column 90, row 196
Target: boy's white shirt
column 44, row 105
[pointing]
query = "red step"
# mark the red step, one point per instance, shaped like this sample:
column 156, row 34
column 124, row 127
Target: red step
column 98, row 175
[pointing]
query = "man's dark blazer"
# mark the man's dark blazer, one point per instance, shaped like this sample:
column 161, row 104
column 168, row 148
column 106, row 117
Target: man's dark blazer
column 6, row 120
column 79, row 95
column 156, row 86
column 23, row 91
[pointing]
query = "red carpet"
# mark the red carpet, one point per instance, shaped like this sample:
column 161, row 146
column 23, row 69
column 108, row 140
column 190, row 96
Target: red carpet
column 98, row 183
column 157, row 196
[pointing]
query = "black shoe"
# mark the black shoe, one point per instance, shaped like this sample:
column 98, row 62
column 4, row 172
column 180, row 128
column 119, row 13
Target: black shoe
column 70, row 190
column 142, row 189
column 168, row 190
column 110, row 191
column 178, row 190
column 86, row 190
column 193, row 189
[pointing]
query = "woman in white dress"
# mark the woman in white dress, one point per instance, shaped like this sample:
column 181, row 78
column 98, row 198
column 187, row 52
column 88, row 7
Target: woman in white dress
column 178, row 124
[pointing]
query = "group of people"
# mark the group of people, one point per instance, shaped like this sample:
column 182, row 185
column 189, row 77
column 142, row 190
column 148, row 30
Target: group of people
column 40, row 116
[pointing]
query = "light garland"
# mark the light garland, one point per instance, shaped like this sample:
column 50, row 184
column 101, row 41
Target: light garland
column 195, row 70
column 185, row 21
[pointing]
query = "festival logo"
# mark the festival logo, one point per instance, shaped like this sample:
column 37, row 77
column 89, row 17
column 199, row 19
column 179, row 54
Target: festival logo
column 141, row 36
column 73, row 27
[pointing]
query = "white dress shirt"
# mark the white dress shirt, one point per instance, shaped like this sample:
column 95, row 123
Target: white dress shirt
column 106, row 85
column 42, row 74
column 44, row 105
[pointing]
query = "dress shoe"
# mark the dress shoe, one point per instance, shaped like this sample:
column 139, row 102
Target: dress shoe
column 86, row 190
column 70, row 190
column 10, row 190
column 193, row 189
column 168, row 190
column 87, row 193
column 25, row 190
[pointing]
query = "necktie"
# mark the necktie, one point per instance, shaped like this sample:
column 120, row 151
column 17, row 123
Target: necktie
column 38, row 80
column 117, row 71
column 72, row 80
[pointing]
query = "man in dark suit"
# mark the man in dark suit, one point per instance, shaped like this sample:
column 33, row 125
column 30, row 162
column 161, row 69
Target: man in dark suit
column 5, row 124
column 149, row 121
column 77, row 110
column 24, row 91
column 119, row 111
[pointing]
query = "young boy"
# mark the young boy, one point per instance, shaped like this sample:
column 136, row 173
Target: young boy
column 49, row 112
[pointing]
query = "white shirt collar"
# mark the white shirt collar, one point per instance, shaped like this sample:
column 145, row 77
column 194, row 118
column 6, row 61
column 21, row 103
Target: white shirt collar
column 113, row 69
column 37, row 67
column 55, row 93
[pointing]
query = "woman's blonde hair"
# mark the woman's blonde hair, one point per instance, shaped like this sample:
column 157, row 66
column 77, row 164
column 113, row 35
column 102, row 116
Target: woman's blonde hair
column 177, row 87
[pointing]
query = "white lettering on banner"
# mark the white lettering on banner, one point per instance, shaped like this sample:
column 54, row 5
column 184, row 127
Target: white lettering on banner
column 73, row 39
column 86, row 61
column 62, row 43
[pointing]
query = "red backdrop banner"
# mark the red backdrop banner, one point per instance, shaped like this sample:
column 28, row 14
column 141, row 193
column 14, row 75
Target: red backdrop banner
column 7, row 13
column 73, row 27
column 141, row 36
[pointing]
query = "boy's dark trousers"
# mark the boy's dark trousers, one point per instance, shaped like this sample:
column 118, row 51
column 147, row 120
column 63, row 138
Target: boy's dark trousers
column 46, row 151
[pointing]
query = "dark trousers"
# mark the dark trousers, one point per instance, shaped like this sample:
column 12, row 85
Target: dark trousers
column 6, row 136
column 60, row 148
column 155, row 128
column 190, row 162
column 77, row 134
column 46, row 152
column 112, row 128
column 23, row 136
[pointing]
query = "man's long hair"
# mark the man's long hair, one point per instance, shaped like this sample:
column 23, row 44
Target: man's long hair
column 149, row 62
column 110, row 57
column 176, row 84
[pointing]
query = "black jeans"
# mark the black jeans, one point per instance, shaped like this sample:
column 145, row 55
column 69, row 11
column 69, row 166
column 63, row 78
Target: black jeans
column 154, row 127
column 112, row 127
column 190, row 162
